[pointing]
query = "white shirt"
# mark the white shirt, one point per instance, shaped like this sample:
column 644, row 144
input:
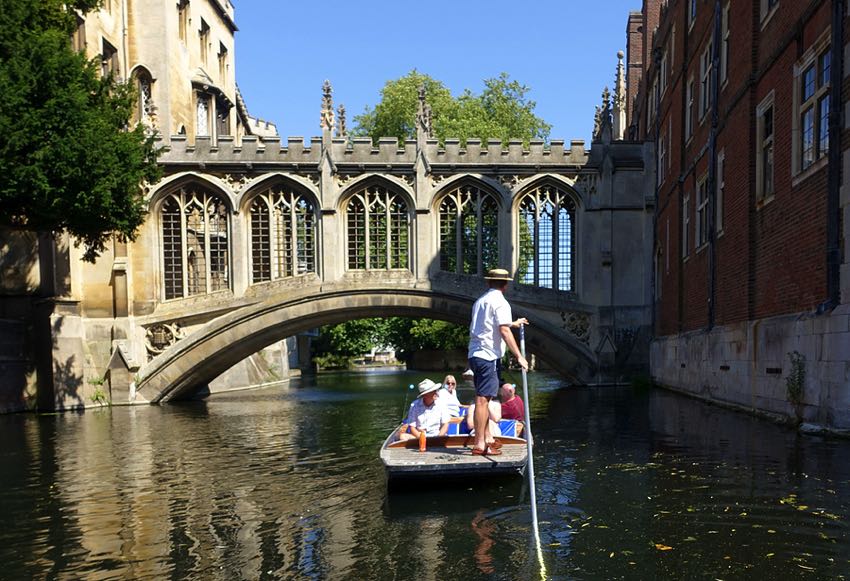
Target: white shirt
column 450, row 401
column 489, row 313
column 426, row 418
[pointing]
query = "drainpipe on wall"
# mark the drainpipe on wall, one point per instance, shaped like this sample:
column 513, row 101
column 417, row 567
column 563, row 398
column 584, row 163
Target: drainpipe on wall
column 124, row 43
column 712, row 162
column 833, row 204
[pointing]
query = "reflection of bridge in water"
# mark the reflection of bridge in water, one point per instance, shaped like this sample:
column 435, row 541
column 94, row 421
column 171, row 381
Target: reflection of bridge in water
column 259, row 242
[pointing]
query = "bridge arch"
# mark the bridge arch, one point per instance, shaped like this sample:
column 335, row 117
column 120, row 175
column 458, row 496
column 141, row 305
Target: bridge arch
column 246, row 194
column 174, row 182
column 386, row 180
column 197, row 359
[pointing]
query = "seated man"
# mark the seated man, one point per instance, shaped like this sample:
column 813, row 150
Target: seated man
column 426, row 414
column 513, row 407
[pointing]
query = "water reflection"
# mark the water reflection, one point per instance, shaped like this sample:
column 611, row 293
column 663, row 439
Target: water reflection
column 285, row 483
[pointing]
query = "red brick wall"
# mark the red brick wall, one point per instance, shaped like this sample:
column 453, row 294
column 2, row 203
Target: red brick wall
column 771, row 258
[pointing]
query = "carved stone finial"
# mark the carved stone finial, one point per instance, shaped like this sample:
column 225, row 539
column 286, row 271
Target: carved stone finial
column 341, row 129
column 423, row 116
column 620, row 99
column 602, row 121
column 327, row 115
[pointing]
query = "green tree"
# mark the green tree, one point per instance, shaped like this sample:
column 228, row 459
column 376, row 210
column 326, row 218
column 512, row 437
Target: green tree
column 68, row 160
column 351, row 337
column 502, row 110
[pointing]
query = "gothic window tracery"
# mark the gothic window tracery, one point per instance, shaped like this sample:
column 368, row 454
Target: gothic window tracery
column 146, row 110
column 378, row 230
column 469, row 231
column 195, row 243
column 283, row 234
column 546, row 238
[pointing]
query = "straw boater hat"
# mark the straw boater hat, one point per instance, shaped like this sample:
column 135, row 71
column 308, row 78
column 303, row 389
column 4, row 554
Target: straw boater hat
column 427, row 386
column 497, row 274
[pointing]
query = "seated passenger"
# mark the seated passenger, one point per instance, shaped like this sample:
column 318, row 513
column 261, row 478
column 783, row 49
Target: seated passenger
column 448, row 396
column 513, row 407
column 495, row 417
column 426, row 414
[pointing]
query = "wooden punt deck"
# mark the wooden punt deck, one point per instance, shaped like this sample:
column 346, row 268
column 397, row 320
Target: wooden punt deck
column 448, row 456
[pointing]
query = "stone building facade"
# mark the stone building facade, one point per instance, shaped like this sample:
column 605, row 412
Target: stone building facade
column 744, row 100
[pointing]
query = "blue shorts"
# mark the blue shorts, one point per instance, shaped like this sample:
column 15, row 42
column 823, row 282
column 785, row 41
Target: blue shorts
column 487, row 376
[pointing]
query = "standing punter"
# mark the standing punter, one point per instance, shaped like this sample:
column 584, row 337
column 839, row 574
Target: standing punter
column 491, row 323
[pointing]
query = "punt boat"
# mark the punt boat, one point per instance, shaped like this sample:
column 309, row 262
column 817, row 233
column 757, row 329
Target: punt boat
column 451, row 455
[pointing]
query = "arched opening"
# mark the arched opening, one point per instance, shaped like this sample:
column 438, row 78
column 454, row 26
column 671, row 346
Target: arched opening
column 469, row 230
column 283, row 233
column 195, row 242
column 546, row 238
column 378, row 227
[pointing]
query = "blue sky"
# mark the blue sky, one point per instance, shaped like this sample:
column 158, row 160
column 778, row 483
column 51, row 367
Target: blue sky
column 565, row 51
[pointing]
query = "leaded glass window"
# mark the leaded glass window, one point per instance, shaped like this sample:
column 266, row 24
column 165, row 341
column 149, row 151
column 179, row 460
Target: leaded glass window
column 283, row 235
column 469, row 231
column 195, row 243
column 546, row 238
column 378, row 230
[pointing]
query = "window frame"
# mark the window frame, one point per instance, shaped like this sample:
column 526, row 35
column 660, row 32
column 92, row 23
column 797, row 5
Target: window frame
column 812, row 60
column 701, row 232
column 720, row 190
column 725, row 36
column 765, row 189
column 689, row 109
column 686, row 225
column 706, row 65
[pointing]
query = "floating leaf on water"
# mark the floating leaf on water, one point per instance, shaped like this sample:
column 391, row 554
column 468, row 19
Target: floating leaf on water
column 661, row 547
column 802, row 507
column 689, row 539
column 712, row 532
column 771, row 531
column 554, row 544
column 611, row 556
column 769, row 555
column 801, row 566
column 743, row 514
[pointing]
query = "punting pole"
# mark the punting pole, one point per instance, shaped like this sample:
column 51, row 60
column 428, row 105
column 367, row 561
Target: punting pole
column 529, row 446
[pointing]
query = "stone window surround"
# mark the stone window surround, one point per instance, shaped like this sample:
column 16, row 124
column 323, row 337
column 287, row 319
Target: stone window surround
column 701, row 222
column 564, row 201
column 818, row 48
column 764, row 197
column 198, row 194
column 478, row 197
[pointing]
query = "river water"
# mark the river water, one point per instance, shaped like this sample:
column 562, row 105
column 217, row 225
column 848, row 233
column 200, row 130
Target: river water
column 285, row 482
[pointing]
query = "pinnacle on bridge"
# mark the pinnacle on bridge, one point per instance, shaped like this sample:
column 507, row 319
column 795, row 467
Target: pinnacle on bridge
column 620, row 98
column 327, row 115
column 340, row 114
column 423, row 118
column 602, row 122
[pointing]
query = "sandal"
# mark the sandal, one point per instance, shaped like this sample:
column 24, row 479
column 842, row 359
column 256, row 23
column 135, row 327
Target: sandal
column 496, row 445
column 486, row 452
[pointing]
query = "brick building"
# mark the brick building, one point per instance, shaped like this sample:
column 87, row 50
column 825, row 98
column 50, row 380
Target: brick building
column 744, row 99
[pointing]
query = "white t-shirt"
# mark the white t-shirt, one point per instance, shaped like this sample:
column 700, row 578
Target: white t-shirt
column 428, row 418
column 489, row 313
column 450, row 400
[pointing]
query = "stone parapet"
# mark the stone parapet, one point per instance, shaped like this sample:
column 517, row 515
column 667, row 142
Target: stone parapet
column 794, row 368
column 388, row 150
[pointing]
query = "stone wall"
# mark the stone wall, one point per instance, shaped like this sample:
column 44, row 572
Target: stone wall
column 760, row 366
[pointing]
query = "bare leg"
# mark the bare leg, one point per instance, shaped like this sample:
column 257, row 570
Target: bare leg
column 482, row 421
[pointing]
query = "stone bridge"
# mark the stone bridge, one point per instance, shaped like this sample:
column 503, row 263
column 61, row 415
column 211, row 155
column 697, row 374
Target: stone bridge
column 251, row 243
